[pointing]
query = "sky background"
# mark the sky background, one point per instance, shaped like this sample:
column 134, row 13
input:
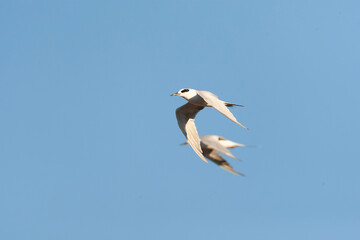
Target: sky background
column 89, row 143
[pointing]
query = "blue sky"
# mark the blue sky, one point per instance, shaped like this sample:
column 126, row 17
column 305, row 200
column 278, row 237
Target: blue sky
column 89, row 143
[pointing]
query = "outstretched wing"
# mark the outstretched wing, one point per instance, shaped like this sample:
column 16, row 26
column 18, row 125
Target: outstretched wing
column 230, row 144
column 217, row 159
column 185, row 116
column 212, row 141
column 213, row 101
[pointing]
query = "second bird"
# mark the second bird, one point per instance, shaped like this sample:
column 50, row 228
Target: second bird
column 212, row 145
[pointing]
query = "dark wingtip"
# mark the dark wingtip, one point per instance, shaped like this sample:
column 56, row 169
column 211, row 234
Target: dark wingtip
column 240, row 174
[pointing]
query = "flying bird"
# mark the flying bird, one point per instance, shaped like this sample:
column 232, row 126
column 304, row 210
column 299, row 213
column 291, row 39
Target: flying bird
column 208, row 99
column 212, row 145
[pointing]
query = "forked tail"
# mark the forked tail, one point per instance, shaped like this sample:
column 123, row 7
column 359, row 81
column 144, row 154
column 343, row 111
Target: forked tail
column 232, row 105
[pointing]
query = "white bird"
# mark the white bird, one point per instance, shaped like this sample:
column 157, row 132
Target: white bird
column 208, row 99
column 211, row 145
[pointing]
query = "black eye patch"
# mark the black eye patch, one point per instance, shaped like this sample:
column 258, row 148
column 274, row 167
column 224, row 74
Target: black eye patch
column 185, row 90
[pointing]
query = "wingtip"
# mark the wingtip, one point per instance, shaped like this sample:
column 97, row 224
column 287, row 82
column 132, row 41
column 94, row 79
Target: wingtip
column 203, row 158
column 238, row 173
column 200, row 154
column 243, row 126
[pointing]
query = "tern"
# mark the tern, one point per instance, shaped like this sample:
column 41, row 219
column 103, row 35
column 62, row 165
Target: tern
column 212, row 145
column 208, row 99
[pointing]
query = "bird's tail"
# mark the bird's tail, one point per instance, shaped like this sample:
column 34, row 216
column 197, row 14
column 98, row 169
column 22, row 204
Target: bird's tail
column 232, row 105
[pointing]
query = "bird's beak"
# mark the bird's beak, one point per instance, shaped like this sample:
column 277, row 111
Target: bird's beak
column 174, row 94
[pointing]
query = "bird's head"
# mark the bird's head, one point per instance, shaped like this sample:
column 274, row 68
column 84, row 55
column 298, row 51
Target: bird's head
column 186, row 93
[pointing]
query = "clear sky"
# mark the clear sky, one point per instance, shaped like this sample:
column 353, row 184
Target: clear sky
column 89, row 143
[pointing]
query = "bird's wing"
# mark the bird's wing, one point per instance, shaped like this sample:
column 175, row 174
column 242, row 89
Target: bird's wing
column 212, row 141
column 186, row 120
column 220, row 161
column 218, row 104
column 230, row 144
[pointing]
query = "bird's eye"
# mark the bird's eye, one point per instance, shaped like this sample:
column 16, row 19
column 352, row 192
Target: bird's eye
column 184, row 90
